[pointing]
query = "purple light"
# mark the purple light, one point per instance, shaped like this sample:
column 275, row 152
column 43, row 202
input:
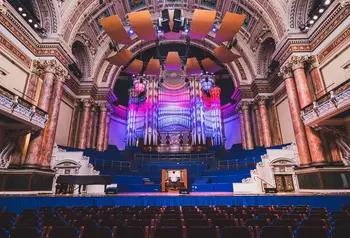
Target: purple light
column 214, row 29
column 131, row 31
column 187, row 30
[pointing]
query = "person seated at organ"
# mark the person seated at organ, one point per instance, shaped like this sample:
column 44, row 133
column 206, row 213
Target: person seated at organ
column 173, row 180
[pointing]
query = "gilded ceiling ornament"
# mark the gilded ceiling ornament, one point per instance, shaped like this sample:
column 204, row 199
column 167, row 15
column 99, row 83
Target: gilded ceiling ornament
column 286, row 71
column 298, row 62
column 49, row 66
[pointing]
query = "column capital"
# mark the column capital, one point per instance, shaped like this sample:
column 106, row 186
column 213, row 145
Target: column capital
column 3, row 8
column 245, row 105
column 87, row 102
column 312, row 62
column 103, row 107
column 298, row 62
column 38, row 68
column 286, row 71
column 61, row 74
column 49, row 66
column 261, row 100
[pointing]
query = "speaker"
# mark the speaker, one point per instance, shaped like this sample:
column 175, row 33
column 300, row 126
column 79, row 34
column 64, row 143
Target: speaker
column 184, row 191
column 111, row 190
column 178, row 23
column 270, row 190
column 165, row 20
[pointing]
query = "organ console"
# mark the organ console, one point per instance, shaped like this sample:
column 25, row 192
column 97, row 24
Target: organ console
column 168, row 185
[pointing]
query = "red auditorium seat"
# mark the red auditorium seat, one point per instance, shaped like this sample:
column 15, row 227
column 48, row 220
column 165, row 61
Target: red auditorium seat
column 192, row 222
column 313, row 222
column 276, row 232
column 203, row 232
column 341, row 223
column 340, row 232
column 85, row 223
column 4, row 233
column 171, row 222
column 169, row 232
column 241, row 232
column 307, row 232
column 27, row 232
column 63, row 232
column 96, row 232
column 287, row 222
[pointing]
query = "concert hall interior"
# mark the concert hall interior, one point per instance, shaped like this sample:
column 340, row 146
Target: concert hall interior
column 158, row 113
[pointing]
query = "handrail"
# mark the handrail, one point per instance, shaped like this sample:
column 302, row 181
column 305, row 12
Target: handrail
column 234, row 163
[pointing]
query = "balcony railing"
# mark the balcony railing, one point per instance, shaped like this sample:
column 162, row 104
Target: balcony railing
column 19, row 109
column 110, row 164
column 190, row 157
column 330, row 104
column 233, row 164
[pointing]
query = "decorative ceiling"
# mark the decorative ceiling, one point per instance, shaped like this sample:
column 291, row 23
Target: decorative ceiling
column 76, row 20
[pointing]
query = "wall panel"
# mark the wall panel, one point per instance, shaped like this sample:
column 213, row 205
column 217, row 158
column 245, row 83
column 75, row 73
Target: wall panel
column 285, row 121
column 64, row 122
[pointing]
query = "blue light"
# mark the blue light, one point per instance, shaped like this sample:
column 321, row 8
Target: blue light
column 131, row 31
column 187, row 30
column 214, row 29
column 159, row 31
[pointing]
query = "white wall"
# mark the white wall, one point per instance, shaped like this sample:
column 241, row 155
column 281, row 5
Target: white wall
column 232, row 130
column 285, row 121
column 334, row 72
column 15, row 78
column 63, row 125
column 117, row 132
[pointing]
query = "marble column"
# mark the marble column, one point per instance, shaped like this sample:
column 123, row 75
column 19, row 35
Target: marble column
column 35, row 145
column 102, row 126
column 32, row 86
column 51, row 126
column 95, row 128
column 265, row 124
column 74, row 124
column 241, row 122
column 258, row 124
column 84, row 123
column 277, row 134
column 90, row 127
column 298, row 125
column 317, row 81
column 247, row 126
column 108, row 121
column 255, row 127
column 304, row 95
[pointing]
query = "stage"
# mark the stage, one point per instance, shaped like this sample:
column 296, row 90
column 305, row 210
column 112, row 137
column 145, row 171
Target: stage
column 17, row 203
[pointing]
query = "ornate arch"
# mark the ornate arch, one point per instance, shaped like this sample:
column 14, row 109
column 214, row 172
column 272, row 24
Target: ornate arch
column 83, row 56
column 298, row 12
column 265, row 52
column 48, row 15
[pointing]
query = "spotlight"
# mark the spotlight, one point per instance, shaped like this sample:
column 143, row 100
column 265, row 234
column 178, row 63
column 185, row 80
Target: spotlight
column 187, row 30
column 20, row 9
column 24, row 14
column 327, row 2
column 213, row 29
column 311, row 22
column 36, row 25
column 30, row 20
column 315, row 17
column 131, row 31
column 159, row 31
column 321, row 10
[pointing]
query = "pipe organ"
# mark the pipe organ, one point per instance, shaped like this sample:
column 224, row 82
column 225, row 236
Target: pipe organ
column 174, row 114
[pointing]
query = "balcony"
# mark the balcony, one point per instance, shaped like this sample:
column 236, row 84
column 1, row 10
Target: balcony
column 17, row 113
column 331, row 109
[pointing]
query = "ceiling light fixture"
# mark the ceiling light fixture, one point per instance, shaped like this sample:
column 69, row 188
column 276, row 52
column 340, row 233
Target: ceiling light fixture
column 321, row 10
column 30, row 20
column 327, row 2
column 36, row 25
column 315, row 17
column 24, row 14
column 20, row 9
column 311, row 22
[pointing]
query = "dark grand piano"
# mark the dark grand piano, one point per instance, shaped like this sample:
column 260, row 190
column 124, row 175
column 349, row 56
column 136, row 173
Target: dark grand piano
column 84, row 180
